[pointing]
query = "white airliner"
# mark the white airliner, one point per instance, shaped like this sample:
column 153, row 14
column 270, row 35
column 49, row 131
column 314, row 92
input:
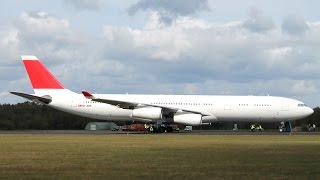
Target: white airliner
column 182, row 109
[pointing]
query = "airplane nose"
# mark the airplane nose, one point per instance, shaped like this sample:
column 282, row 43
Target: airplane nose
column 309, row 111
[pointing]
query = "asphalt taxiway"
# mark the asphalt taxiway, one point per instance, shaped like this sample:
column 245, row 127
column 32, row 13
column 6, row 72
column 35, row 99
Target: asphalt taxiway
column 194, row 132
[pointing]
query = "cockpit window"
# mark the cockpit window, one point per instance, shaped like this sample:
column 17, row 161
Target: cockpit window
column 301, row 105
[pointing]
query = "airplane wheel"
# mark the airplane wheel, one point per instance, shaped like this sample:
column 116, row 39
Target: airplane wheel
column 161, row 129
column 169, row 129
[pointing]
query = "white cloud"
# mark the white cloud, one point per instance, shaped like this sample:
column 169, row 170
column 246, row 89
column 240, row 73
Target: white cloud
column 9, row 39
column 278, row 53
column 166, row 43
column 278, row 56
column 41, row 22
column 9, row 44
column 49, row 37
column 40, row 27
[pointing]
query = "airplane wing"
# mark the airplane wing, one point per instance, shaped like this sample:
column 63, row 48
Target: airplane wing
column 127, row 104
column 43, row 99
column 120, row 104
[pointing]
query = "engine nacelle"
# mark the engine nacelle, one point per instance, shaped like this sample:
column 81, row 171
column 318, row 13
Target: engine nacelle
column 209, row 119
column 188, row 119
column 152, row 113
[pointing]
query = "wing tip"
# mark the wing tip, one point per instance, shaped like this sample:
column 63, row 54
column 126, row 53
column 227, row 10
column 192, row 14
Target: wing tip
column 87, row 94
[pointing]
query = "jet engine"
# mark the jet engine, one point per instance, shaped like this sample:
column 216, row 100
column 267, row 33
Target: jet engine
column 188, row 119
column 152, row 113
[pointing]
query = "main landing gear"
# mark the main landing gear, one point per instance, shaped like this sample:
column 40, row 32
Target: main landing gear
column 163, row 129
column 159, row 128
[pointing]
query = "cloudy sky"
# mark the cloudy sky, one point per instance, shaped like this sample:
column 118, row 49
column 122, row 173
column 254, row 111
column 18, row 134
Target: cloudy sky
column 243, row 47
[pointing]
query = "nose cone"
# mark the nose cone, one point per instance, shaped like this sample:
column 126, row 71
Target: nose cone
column 309, row 111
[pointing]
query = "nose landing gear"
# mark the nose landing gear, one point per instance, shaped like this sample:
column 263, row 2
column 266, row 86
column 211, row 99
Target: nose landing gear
column 285, row 126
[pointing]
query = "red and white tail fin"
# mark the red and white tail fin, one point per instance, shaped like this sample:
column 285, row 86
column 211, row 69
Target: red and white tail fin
column 45, row 85
column 39, row 75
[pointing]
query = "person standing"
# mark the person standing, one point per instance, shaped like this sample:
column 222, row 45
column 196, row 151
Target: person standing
column 314, row 127
column 252, row 127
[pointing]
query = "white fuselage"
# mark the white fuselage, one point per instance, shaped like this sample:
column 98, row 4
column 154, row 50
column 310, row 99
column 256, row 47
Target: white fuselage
column 224, row 108
column 182, row 109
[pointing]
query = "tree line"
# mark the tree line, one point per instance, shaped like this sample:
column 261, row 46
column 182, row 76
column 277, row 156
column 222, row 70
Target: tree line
column 29, row 115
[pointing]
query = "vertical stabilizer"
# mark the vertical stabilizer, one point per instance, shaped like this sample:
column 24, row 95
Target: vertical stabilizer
column 39, row 75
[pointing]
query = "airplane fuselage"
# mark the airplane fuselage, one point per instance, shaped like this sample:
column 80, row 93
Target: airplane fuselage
column 224, row 108
column 180, row 109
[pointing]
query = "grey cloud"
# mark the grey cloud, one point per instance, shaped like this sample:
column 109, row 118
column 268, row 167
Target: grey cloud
column 170, row 9
column 85, row 4
column 257, row 22
column 294, row 25
column 38, row 15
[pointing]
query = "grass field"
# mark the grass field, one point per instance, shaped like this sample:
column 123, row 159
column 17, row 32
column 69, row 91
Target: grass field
column 159, row 156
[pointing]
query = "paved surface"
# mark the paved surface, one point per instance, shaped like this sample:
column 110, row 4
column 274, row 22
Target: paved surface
column 67, row 132
column 194, row 132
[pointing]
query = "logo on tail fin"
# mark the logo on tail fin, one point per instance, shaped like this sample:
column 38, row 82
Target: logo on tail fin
column 39, row 75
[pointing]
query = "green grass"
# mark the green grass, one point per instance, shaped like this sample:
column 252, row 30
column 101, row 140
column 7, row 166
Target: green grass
column 159, row 156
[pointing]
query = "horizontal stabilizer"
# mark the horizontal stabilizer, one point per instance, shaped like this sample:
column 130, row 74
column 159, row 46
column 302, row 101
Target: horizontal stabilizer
column 43, row 99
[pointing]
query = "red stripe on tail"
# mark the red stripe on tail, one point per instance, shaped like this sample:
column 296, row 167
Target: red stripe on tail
column 39, row 75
